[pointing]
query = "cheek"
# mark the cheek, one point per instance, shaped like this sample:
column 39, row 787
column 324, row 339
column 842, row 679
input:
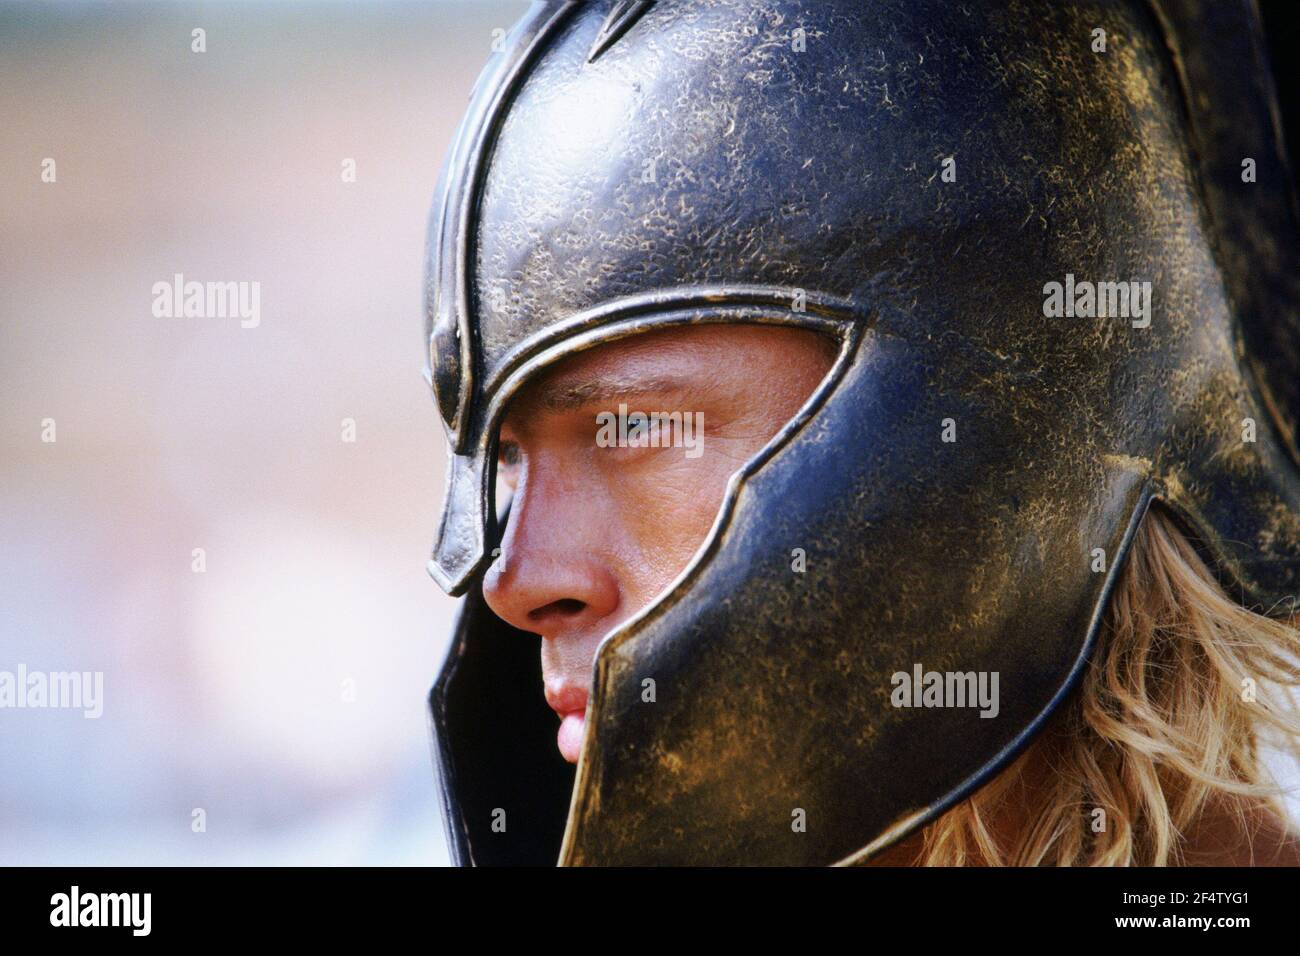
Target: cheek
column 671, row 503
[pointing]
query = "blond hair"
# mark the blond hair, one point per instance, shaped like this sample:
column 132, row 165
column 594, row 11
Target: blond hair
column 1162, row 730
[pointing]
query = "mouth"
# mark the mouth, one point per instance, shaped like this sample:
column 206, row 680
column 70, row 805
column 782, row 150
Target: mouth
column 569, row 736
column 570, row 703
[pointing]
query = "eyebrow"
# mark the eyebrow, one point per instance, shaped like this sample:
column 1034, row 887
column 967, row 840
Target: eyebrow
column 567, row 396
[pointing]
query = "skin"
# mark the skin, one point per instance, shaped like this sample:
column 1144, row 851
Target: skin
column 596, row 533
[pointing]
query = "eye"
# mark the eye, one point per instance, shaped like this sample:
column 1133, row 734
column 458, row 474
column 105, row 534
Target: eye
column 508, row 454
column 654, row 430
column 642, row 434
column 509, row 457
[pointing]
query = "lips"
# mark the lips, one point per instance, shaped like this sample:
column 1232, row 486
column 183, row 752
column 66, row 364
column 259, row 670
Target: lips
column 565, row 698
column 571, row 704
column 569, row 736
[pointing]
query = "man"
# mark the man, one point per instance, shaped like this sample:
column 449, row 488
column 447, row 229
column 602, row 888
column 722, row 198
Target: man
column 861, row 376
column 596, row 532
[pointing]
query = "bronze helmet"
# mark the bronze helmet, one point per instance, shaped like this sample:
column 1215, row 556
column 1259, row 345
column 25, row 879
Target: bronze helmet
column 935, row 184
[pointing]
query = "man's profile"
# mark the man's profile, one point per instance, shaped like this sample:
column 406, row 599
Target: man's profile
column 875, row 415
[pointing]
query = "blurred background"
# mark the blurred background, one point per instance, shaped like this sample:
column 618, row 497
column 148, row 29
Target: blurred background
column 281, row 690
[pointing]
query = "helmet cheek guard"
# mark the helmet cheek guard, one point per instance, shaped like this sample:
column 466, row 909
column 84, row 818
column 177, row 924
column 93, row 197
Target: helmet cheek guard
column 1079, row 314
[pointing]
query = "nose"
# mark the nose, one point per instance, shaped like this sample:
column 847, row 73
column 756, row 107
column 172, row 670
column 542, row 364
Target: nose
column 550, row 578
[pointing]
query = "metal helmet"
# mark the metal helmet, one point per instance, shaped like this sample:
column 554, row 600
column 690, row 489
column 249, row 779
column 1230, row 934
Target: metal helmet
column 965, row 195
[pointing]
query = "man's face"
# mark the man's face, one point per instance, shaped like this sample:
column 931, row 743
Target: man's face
column 605, row 513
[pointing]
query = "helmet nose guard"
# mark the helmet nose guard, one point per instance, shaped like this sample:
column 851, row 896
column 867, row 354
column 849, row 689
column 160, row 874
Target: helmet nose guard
column 460, row 546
